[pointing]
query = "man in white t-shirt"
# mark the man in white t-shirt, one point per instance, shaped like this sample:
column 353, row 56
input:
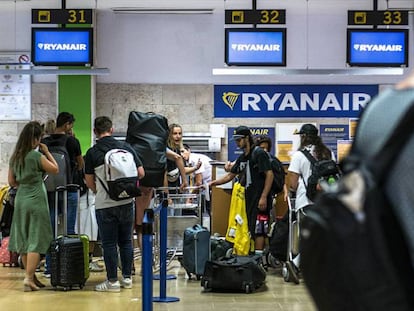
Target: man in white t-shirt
column 203, row 174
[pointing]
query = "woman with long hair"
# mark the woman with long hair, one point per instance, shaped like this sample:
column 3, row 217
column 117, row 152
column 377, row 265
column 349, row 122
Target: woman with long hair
column 31, row 230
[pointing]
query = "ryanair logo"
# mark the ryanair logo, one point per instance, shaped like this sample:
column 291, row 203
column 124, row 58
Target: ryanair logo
column 293, row 101
column 297, row 102
column 256, row 47
column 62, row 47
column 230, row 99
column 378, row 47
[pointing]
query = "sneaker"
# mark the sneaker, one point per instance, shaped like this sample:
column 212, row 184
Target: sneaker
column 95, row 267
column 46, row 275
column 126, row 283
column 108, row 287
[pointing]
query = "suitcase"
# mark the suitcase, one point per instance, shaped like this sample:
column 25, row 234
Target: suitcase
column 69, row 253
column 196, row 250
column 7, row 257
column 234, row 274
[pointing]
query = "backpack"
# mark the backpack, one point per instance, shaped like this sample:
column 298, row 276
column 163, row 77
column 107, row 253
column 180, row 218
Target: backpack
column 120, row 175
column 352, row 243
column 57, row 147
column 278, row 172
column 147, row 133
column 323, row 172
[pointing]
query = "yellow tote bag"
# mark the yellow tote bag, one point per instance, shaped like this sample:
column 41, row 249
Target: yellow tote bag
column 238, row 230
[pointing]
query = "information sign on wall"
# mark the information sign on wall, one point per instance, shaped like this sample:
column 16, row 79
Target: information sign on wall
column 15, row 90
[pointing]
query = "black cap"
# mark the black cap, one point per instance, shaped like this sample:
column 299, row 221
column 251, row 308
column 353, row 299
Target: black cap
column 240, row 132
column 308, row 129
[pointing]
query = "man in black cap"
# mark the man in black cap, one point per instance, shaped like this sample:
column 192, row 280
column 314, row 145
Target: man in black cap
column 257, row 177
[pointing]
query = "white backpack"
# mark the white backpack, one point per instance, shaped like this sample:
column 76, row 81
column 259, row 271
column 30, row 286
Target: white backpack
column 121, row 175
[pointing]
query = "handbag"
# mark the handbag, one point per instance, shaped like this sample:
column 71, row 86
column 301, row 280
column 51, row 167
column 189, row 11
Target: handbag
column 173, row 175
column 87, row 217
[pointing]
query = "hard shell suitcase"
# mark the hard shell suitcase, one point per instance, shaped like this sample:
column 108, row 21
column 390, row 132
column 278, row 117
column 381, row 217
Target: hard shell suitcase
column 69, row 253
column 196, row 250
column 7, row 257
column 234, row 274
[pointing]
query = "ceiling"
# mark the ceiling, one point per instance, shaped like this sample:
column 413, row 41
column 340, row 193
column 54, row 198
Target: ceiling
column 109, row 4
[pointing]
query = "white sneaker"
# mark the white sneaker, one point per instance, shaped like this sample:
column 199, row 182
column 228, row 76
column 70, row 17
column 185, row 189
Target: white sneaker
column 126, row 283
column 95, row 267
column 108, row 287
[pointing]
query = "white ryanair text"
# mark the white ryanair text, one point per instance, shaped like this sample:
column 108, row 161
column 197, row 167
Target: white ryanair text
column 304, row 102
column 62, row 47
column 378, row 47
column 255, row 47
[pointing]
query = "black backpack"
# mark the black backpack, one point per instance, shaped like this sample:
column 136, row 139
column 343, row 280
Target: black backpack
column 354, row 252
column 278, row 172
column 325, row 171
column 57, row 147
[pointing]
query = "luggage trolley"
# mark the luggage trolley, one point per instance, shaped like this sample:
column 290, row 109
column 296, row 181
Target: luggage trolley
column 190, row 200
column 290, row 270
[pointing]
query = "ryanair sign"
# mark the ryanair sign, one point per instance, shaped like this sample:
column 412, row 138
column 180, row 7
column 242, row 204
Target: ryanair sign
column 291, row 101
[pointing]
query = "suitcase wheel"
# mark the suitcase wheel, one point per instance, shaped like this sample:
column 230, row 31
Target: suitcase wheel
column 204, row 283
column 248, row 289
column 285, row 273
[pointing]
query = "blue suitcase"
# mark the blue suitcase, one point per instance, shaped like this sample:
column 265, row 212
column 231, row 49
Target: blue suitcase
column 196, row 250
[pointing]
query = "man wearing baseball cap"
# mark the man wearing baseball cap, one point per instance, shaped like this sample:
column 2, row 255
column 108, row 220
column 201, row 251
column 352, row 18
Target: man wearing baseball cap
column 256, row 176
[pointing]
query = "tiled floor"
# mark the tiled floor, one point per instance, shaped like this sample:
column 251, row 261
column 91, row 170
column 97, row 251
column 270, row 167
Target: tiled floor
column 275, row 295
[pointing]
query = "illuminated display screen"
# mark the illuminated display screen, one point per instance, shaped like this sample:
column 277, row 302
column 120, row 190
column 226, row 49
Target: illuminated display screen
column 62, row 46
column 377, row 47
column 255, row 47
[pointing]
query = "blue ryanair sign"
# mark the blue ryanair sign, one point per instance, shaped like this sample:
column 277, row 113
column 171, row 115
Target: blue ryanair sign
column 291, row 101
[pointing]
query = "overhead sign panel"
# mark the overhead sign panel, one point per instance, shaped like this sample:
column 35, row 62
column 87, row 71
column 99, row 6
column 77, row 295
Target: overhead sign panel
column 61, row 16
column 291, row 101
column 266, row 17
column 386, row 18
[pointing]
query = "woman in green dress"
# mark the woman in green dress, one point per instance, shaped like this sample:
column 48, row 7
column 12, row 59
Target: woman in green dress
column 31, row 230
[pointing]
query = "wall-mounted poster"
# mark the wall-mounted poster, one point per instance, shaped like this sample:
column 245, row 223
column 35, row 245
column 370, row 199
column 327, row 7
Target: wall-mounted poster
column 343, row 147
column 15, row 90
column 331, row 133
column 287, row 142
column 234, row 151
column 353, row 123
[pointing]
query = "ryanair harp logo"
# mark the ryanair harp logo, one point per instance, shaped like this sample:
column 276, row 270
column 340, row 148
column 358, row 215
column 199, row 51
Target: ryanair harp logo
column 230, row 99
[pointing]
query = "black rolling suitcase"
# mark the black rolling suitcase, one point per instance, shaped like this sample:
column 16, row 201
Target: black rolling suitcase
column 234, row 274
column 69, row 253
column 196, row 250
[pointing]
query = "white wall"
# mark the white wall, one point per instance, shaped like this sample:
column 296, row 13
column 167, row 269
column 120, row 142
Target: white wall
column 185, row 48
